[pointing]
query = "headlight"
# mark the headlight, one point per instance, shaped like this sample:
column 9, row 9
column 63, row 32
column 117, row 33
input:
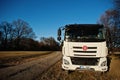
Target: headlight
column 104, row 63
column 66, row 62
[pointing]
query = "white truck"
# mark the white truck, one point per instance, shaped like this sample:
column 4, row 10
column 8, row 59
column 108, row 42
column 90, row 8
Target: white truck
column 84, row 47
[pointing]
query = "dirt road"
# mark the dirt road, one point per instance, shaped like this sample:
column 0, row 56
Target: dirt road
column 30, row 70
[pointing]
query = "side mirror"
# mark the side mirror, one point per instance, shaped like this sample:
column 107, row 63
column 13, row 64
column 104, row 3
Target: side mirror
column 59, row 38
column 59, row 34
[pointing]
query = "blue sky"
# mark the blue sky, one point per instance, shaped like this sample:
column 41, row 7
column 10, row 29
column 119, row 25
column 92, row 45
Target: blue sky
column 46, row 16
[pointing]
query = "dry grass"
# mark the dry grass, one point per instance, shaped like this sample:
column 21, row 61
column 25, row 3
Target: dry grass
column 4, row 54
column 56, row 73
column 11, row 58
column 114, row 71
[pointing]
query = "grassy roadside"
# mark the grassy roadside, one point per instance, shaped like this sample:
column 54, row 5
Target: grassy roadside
column 56, row 73
column 114, row 71
column 4, row 54
column 11, row 58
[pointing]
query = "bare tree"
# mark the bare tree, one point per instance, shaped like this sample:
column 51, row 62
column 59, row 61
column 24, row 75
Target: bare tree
column 117, row 8
column 22, row 30
column 110, row 19
column 0, row 38
column 117, row 4
column 6, row 30
column 49, row 43
column 17, row 36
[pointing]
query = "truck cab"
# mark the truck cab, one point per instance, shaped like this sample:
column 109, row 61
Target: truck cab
column 84, row 47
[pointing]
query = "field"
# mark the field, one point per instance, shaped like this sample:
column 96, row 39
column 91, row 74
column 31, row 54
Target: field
column 46, row 65
column 12, row 58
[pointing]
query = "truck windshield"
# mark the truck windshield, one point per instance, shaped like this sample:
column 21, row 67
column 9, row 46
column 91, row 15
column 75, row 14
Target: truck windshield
column 85, row 35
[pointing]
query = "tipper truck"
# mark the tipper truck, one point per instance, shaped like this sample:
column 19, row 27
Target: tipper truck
column 84, row 47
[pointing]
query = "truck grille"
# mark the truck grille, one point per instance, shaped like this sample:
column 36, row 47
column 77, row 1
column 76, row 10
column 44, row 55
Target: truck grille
column 84, row 51
column 84, row 61
column 88, row 47
column 78, row 50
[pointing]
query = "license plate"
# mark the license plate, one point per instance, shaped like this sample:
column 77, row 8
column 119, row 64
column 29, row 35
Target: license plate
column 84, row 67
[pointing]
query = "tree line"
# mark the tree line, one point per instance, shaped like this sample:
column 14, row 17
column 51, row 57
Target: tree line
column 111, row 20
column 18, row 35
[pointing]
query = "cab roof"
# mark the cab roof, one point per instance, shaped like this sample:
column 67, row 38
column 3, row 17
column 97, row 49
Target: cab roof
column 83, row 26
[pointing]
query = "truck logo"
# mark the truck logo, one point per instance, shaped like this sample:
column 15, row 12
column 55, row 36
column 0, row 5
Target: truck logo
column 84, row 48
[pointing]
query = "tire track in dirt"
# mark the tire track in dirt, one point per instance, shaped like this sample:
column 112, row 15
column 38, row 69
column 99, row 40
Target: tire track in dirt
column 30, row 70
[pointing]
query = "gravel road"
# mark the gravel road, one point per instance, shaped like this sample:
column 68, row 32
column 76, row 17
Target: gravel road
column 30, row 70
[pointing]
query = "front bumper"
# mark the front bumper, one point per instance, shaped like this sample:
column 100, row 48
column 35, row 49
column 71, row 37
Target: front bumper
column 68, row 65
column 83, row 67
